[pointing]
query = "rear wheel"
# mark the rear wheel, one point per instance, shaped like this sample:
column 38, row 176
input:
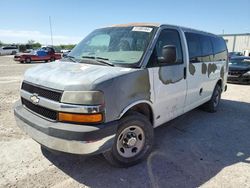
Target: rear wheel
column 213, row 103
column 133, row 141
column 52, row 59
column 13, row 53
column 27, row 60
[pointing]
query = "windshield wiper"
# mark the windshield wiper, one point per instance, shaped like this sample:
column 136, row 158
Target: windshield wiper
column 99, row 60
column 72, row 58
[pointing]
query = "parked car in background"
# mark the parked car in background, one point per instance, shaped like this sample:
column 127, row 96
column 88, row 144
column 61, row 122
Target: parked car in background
column 43, row 54
column 234, row 54
column 65, row 54
column 9, row 50
column 239, row 70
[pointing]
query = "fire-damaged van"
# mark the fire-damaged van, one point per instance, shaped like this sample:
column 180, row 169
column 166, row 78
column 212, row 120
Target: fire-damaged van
column 117, row 85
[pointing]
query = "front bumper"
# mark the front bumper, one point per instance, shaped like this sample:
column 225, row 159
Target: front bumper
column 66, row 137
column 17, row 59
column 241, row 79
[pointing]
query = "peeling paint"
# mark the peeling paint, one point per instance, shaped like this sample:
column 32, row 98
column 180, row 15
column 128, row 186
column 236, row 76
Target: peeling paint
column 191, row 69
column 204, row 68
column 171, row 75
column 211, row 68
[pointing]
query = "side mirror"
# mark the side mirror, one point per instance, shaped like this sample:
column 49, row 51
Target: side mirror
column 168, row 54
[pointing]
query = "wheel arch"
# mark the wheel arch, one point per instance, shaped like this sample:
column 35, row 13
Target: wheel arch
column 143, row 106
column 220, row 83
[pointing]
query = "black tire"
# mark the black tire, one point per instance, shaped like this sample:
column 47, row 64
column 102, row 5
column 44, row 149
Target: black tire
column 27, row 60
column 141, row 122
column 13, row 53
column 52, row 59
column 213, row 104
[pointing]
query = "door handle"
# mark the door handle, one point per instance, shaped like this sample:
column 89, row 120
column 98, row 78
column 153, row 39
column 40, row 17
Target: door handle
column 185, row 72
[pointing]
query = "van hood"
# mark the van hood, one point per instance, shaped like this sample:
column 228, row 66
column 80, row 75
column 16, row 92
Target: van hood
column 239, row 68
column 72, row 76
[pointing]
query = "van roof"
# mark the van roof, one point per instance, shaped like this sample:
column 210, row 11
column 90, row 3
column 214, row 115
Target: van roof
column 185, row 29
column 136, row 24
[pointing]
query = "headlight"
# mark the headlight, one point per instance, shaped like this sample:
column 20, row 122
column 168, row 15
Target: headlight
column 83, row 97
column 247, row 74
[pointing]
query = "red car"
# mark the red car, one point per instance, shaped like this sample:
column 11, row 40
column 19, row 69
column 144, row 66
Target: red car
column 44, row 54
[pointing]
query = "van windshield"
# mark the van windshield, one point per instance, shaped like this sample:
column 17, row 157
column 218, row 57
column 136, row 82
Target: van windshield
column 240, row 62
column 117, row 45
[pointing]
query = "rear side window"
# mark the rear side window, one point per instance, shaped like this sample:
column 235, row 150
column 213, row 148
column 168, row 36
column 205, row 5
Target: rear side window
column 9, row 48
column 220, row 49
column 206, row 48
column 194, row 47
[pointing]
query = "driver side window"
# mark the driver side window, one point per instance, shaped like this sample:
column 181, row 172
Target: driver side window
column 167, row 37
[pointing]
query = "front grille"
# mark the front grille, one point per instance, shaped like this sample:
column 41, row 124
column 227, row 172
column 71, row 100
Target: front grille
column 45, row 112
column 236, row 73
column 51, row 94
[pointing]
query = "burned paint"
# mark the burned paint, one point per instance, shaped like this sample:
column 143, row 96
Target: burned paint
column 211, row 68
column 191, row 69
column 204, row 68
column 222, row 72
column 124, row 90
column 170, row 74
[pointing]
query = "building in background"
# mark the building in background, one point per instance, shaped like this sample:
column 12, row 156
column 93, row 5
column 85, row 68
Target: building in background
column 238, row 42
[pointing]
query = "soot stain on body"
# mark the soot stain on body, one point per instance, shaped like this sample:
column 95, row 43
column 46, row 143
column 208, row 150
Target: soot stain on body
column 203, row 68
column 211, row 68
column 222, row 72
column 170, row 76
column 191, row 69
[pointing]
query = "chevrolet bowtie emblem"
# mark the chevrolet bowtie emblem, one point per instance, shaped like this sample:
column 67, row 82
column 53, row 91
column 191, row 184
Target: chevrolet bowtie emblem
column 34, row 98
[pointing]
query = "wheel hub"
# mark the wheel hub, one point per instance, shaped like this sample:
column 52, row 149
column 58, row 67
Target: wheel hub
column 130, row 139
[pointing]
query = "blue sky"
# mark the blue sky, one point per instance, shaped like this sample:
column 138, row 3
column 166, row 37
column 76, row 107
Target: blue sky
column 22, row 20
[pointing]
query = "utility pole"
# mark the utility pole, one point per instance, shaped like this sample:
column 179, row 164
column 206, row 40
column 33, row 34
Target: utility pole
column 51, row 34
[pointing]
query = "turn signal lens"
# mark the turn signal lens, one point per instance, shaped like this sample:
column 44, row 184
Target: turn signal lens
column 80, row 118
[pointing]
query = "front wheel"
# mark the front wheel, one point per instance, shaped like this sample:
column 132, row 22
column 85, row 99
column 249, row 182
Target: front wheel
column 133, row 141
column 213, row 103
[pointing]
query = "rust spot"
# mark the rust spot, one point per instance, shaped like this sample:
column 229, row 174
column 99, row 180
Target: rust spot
column 203, row 68
column 211, row 68
column 191, row 68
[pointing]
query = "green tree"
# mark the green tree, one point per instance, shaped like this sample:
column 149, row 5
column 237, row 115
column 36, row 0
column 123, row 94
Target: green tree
column 22, row 48
column 36, row 45
column 31, row 42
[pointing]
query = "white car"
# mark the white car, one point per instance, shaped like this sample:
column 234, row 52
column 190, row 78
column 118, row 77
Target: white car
column 8, row 50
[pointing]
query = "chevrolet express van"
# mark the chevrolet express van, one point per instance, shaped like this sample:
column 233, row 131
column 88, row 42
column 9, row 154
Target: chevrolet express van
column 117, row 85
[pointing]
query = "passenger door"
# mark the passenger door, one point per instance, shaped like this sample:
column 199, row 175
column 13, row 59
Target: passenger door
column 169, row 83
column 203, row 71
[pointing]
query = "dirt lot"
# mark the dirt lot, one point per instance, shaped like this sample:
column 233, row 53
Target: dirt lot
column 196, row 149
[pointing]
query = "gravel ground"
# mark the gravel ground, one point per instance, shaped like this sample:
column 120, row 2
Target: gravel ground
column 198, row 149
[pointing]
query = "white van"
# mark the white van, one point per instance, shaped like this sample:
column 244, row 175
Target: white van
column 8, row 50
column 117, row 85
